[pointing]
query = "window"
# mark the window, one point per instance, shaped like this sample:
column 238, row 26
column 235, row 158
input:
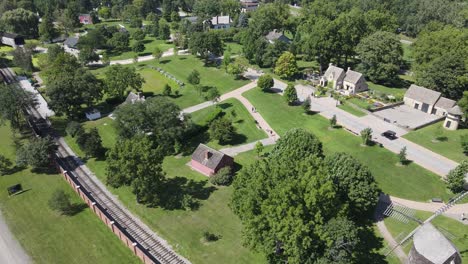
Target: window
column 448, row 123
column 416, row 106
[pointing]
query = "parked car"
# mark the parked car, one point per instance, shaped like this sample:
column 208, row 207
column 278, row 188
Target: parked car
column 389, row 134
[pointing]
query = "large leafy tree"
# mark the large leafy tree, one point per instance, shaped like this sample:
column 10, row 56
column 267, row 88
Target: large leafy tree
column 439, row 61
column 120, row 41
column 47, row 31
column 119, row 78
column 286, row 66
column 290, row 207
column 381, row 56
column 36, row 153
column 456, row 177
column 206, row 43
column 13, row 101
column 222, row 130
column 157, row 116
column 20, row 21
column 290, row 94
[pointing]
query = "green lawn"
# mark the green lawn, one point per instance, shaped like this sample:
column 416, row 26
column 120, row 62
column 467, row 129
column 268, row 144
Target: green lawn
column 397, row 92
column 150, row 44
column 410, row 182
column 362, row 103
column 181, row 66
column 236, row 48
column 44, row 234
column 407, row 52
column 446, row 225
column 448, row 145
column 243, row 122
column 184, row 229
column 351, row 110
column 155, row 81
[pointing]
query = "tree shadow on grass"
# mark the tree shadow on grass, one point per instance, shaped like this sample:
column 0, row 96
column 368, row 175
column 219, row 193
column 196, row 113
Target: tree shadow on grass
column 164, row 61
column 176, row 189
column 51, row 170
column 224, row 106
column 76, row 208
column 367, row 250
column 237, row 139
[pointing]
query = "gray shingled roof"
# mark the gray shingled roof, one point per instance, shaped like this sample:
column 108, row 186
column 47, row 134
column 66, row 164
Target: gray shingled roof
column 71, row 42
column 422, row 94
column 445, row 103
column 456, row 110
column 214, row 159
column 431, row 244
column 133, row 98
column 221, row 20
column 277, row 35
column 337, row 72
column 352, row 76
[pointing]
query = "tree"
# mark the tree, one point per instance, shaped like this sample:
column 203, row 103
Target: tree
column 60, row 201
column 464, row 143
column 207, row 8
column 91, row 143
column 223, row 177
column 212, row 94
column 167, row 90
column 259, row 148
column 157, row 116
column 290, row 94
column 69, row 91
column 138, row 35
column 74, row 128
column 5, row 165
column 36, row 153
column 147, row 185
column 402, row 156
column 221, row 129
column 194, row 77
column 120, row 41
column 68, row 17
column 104, row 12
column 119, row 78
column 47, row 31
column 87, row 55
column 366, row 135
column 13, row 101
column 265, row 82
column 306, row 105
column 22, row 58
column 235, row 69
column 463, row 103
column 226, row 59
column 138, row 46
column 333, row 121
column 286, row 66
column 381, row 56
column 164, row 31
column 20, row 21
column 206, row 43
column 456, row 177
column 157, row 53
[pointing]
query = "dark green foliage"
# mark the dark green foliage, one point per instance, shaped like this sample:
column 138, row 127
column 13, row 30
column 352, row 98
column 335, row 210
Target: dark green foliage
column 402, row 156
column 47, row 31
column 74, row 128
column 265, row 82
column 13, row 100
column 306, row 105
column 366, row 136
column 157, row 115
column 209, row 237
column 216, row 113
column 456, row 177
column 296, row 207
column 333, row 121
column 5, row 165
column 90, row 143
column 60, row 201
column 138, row 46
column 464, row 143
column 138, row 35
column 87, row 55
column 463, row 103
column 259, row 148
column 194, row 77
column 20, row 21
column 206, row 43
column 212, row 94
column 164, row 31
column 188, row 202
column 381, row 56
column 147, row 184
column 223, row 177
column 120, row 41
column 36, row 153
column 119, row 78
column 221, row 129
column 22, row 58
column 290, row 94
column 167, row 90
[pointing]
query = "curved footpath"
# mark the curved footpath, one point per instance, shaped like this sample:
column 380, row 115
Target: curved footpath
column 11, row 251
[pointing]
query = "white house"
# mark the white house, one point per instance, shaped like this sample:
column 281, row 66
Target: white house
column 221, row 22
column 334, row 76
column 249, row 5
column 349, row 82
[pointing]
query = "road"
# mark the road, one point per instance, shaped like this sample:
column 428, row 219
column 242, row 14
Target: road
column 11, row 251
column 427, row 159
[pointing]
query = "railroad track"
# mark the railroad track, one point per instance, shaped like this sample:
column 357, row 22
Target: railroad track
column 141, row 233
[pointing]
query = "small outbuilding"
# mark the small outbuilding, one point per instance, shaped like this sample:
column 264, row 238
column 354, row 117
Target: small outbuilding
column 85, row 19
column 11, row 39
column 93, row 114
column 209, row 161
column 430, row 246
column 220, row 22
column 453, row 118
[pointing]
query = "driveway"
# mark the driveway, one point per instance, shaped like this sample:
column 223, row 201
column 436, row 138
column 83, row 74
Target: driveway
column 425, row 158
column 11, row 251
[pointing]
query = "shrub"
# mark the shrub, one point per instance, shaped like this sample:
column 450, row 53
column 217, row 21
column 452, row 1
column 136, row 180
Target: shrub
column 167, row 90
column 366, row 135
column 5, row 164
column 456, row 177
column 402, row 156
column 464, row 144
column 74, row 128
column 333, row 121
column 209, row 237
column 224, row 177
column 265, row 82
column 60, row 201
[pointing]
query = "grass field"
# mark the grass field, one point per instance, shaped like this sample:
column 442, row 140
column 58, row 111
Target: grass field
column 407, row 52
column 47, row 236
column 244, row 123
column 155, row 81
column 184, row 229
column 446, row 225
column 409, row 182
column 181, row 66
column 395, row 91
column 448, row 145
column 351, row 110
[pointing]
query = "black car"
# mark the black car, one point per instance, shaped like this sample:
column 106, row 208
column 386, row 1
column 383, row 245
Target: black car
column 389, row 134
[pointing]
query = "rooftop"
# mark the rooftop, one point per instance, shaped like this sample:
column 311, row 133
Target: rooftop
column 336, row 71
column 445, row 103
column 221, row 20
column 71, row 42
column 352, row 76
column 422, row 94
column 207, row 156
column 431, row 244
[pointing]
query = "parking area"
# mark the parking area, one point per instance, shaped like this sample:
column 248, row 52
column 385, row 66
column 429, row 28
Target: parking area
column 406, row 116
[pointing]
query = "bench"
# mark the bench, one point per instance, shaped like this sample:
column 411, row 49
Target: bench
column 437, row 200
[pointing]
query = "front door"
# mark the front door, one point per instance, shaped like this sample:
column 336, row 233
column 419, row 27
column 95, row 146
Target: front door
column 425, row 107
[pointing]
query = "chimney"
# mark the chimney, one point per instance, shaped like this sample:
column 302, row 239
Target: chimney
column 208, row 155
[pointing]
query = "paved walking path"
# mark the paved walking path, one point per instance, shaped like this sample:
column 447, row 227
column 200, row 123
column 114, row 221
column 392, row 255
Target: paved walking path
column 392, row 243
column 167, row 53
column 11, row 251
column 457, row 209
column 419, row 155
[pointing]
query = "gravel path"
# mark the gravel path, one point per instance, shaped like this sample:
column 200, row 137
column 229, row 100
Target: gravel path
column 11, row 251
